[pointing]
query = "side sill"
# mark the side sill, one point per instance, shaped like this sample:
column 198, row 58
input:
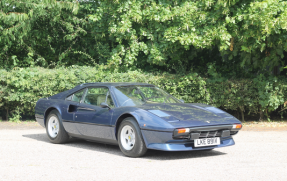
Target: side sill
column 93, row 139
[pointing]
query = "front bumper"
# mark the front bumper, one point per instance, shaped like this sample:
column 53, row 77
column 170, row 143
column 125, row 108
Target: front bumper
column 40, row 120
column 164, row 141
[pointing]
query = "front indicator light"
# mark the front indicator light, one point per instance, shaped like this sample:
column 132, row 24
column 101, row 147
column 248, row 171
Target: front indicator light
column 183, row 130
column 237, row 126
column 181, row 133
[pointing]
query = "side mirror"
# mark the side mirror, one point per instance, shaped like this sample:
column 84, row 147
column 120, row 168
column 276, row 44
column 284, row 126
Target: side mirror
column 105, row 105
column 181, row 100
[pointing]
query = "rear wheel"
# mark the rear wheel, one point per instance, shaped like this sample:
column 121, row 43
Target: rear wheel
column 130, row 139
column 54, row 128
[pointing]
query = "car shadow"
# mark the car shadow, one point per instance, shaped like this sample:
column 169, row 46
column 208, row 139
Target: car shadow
column 79, row 143
column 175, row 155
column 115, row 150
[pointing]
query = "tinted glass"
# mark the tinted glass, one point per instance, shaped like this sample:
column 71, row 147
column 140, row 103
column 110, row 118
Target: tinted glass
column 69, row 98
column 139, row 95
column 96, row 95
column 77, row 96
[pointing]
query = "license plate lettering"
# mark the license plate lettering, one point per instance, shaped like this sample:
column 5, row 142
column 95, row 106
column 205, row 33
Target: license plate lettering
column 206, row 142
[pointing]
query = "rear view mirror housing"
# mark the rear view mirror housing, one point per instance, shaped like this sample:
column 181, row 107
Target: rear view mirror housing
column 105, row 105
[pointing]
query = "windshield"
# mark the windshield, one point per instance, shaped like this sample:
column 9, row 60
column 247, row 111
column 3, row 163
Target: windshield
column 139, row 95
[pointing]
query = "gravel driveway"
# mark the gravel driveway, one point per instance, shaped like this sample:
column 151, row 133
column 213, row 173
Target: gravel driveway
column 26, row 154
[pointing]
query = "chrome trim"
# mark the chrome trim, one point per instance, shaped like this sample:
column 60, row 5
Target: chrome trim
column 86, row 109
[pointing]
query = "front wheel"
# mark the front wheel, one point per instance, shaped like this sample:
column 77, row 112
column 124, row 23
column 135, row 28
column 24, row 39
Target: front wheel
column 130, row 139
column 54, row 128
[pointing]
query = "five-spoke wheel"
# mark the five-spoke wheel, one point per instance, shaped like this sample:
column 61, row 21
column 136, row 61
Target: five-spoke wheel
column 130, row 139
column 54, row 128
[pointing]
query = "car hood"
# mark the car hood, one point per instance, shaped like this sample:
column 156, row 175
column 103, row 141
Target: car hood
column 183, row 114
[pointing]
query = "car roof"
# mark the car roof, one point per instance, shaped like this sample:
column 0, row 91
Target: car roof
column 112, row 84
column 62, row 95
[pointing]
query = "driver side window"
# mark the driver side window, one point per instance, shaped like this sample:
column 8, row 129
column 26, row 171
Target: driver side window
column 96, row 95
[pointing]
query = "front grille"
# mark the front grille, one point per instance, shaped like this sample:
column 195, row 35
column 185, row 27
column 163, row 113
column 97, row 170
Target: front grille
column 208, row 134
column 223, row 131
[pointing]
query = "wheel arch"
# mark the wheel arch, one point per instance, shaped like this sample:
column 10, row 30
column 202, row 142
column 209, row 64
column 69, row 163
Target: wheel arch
column 120, row 120
column 47, row 112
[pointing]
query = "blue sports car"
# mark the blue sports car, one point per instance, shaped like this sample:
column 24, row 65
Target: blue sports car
column 135, row 116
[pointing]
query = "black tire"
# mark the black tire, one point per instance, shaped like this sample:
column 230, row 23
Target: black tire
column 139, row 148
column 61, row 136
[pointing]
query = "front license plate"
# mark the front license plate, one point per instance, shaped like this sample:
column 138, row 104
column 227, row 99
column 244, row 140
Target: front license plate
column 206, row 142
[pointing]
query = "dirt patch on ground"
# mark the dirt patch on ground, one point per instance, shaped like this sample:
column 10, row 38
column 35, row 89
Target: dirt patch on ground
column 247, row 126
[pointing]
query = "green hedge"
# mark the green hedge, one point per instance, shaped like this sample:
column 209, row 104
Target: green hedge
column 22, row 87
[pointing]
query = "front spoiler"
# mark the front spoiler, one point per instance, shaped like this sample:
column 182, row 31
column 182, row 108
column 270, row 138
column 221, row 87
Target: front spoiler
column 163, row 141
column 187, row 146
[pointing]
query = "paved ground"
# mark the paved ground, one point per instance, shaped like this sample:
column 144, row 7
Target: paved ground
column 26, row 154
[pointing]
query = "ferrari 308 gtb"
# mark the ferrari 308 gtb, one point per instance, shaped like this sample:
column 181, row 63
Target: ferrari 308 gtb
column 135, row 116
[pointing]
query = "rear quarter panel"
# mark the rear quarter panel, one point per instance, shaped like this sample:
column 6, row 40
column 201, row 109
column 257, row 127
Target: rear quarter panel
column 44, row 106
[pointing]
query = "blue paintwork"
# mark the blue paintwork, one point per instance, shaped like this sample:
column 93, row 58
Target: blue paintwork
column 97, row 123
column 164, row 141
column 187, row 146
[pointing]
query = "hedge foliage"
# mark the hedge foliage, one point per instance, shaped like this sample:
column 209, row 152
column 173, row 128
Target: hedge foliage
column 237, row 37
column 20, row 88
